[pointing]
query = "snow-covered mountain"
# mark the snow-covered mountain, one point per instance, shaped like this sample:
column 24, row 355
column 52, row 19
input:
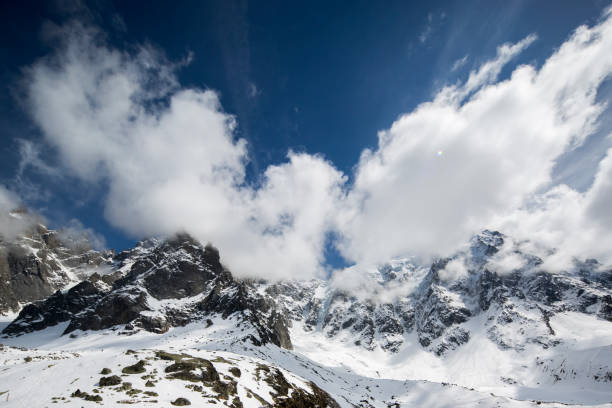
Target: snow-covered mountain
column 489, row 325
column 443, row 300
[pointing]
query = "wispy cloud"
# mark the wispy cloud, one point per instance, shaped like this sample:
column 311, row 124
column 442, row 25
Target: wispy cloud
column 253, row 91
column 433, row 23
column 29, row 157
column 459, row 63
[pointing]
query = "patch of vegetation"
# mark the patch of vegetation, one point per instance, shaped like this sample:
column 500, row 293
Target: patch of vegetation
column 259, row 369
column 278, row 382
column 262, row 401
column 151, row 393
column 164, row 355
column 185, row 375
column 27, row 359
column 86, row 396
column 300, row 399
column 181, row 402
column 137, row 368
column 236, row 403
column 105, row 371
column 149, row 384
column 109, row 381
column 235, row 371
column 224, row 390
column 220, row 359
column 133, row 392
column 55, row 400
column 126, row 386
column 184, row 365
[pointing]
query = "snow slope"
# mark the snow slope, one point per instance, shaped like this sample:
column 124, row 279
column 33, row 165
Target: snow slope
column 57, row 366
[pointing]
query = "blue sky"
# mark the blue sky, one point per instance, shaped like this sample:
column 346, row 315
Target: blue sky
column 314, row 78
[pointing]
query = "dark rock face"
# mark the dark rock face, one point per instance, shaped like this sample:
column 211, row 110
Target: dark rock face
column 34, row 266
column 177, row 268
column 59, row 307
column 605, row 311
column 110, row 310
column 231, row 297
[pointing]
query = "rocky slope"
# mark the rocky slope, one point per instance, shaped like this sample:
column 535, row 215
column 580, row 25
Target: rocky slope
column 161, row 284
column 39, row 262
column 438, row 303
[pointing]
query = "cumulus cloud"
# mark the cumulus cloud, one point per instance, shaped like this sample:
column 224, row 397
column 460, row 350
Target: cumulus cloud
column 478, row 150
column 479, row 154
column 570, row 223
column 170, row 158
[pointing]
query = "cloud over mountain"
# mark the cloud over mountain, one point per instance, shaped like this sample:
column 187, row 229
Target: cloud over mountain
column 479, row 154
column 480, row 150
column 170, row 158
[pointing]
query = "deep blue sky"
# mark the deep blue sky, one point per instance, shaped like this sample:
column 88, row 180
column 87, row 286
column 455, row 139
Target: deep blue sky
column 328, row 75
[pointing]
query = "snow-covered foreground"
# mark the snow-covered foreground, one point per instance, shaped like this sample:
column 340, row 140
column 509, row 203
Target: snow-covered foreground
column 44, row 368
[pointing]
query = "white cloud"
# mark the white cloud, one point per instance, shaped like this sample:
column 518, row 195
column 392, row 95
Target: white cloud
column 434, row 22
column 486, row 73
column 479, row 154
column 508, row 259
column 17, row 221
column 459, row 63
column 574, row 224
column 8, row 200
column 14, row 220
column 29, row 157
column 75, row 235
column 253, row 91
column 478, row 150
column 171, row 161
column 454, row 270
